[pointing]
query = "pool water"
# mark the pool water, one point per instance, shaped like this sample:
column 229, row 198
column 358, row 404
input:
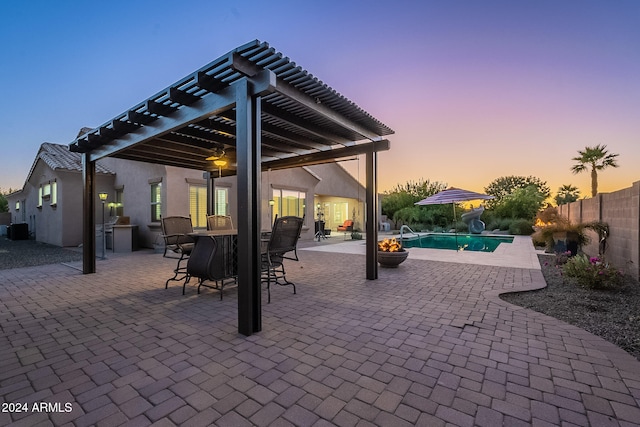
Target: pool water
column 463, row 242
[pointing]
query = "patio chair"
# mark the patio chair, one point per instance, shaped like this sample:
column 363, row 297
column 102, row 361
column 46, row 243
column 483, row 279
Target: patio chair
column 207, row 262
column 346, row 227
column 283, row 240
column 175, row 232
column 219, row 222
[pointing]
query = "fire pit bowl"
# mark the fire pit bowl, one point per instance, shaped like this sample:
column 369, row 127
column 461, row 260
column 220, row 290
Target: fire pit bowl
column 391, row 253
column 392, row 259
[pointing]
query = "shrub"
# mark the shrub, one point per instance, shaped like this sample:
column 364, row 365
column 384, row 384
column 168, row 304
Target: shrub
column 578, row 232
column 522, row 227
column 492, row 225
column 461, row 227
column 521, row 203
column 563, row 257
column 549, row 215
column 504, row 223
column 593, row 272
column 539, row 241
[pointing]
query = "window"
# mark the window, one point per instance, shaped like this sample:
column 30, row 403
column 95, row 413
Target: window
column 198, row 205
column 48, row 191
column 54, row 193
column 222, row 201
column 289, row 202
column 156, row 201
column 340, row 212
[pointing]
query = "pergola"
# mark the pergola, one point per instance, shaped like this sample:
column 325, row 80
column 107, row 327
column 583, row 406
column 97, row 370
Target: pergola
column 264, row 112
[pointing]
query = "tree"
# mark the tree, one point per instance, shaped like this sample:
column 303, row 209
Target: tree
column 394, row 202
column 420, row 190
column 521, row 203
column 597, row 158
column 4, row 204
column 504, row 186
column 404, row 196
column 567, row 194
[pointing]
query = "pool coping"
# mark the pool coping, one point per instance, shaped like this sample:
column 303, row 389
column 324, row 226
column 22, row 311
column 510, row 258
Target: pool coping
column 519, row 254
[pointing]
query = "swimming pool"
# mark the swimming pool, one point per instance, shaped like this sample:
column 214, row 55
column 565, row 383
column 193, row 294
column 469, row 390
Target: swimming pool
column 463, row 242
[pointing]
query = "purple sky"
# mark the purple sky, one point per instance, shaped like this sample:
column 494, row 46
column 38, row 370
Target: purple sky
column 475, row 90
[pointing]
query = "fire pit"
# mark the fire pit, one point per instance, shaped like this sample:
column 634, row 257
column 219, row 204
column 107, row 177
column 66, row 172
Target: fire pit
column 391, row 253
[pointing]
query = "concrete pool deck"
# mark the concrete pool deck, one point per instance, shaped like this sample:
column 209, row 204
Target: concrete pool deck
column 519, row 254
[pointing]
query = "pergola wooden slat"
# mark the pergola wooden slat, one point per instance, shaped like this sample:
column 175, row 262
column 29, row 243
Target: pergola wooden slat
column 266, row 113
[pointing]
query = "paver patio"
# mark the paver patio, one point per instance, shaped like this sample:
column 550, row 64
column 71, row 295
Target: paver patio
column 429, row 344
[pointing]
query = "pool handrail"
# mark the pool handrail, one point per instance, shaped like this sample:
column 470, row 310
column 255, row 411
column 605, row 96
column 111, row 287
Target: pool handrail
column 406, row 227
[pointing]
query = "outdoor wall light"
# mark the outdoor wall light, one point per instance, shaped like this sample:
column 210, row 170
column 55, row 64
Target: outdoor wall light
column 103, row 197
column 272, row 202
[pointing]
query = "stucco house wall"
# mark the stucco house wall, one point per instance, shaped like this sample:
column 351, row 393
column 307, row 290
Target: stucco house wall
column 58, row 224
column 61, row 224
column 337, row 181
column 134, row 180
column 19, row 216
column 339, row 186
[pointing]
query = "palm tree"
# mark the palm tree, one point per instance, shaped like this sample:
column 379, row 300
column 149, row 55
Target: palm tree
column 567, row 194
column 597, row 158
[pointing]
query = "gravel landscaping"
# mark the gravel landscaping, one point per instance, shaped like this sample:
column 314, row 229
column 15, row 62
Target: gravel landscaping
column 29, row 253
column 612, row 314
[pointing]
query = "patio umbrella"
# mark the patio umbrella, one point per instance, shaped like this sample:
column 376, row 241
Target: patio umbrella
column 453, row 195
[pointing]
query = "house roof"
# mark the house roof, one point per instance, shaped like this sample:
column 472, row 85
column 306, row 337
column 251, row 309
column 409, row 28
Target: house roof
column 58, row 156
column 303, row 121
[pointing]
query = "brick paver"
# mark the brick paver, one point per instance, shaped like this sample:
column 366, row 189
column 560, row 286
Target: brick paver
column 429, row 343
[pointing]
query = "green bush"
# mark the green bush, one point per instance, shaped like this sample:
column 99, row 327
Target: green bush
column 522, row 203
column 461, row 227
column 4, row 204
column 494, row 224
column 419, row 217
column 563, row 257
column 522, row 227
column 592, row 272
column 504, row 224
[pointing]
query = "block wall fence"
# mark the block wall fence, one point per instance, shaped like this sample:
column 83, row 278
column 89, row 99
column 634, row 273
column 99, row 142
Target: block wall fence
column 621, row 210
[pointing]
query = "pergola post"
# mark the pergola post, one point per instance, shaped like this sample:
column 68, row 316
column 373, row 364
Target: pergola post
column 88, row 215
column 211, row 201
column 248, row 155
column 372, row 215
